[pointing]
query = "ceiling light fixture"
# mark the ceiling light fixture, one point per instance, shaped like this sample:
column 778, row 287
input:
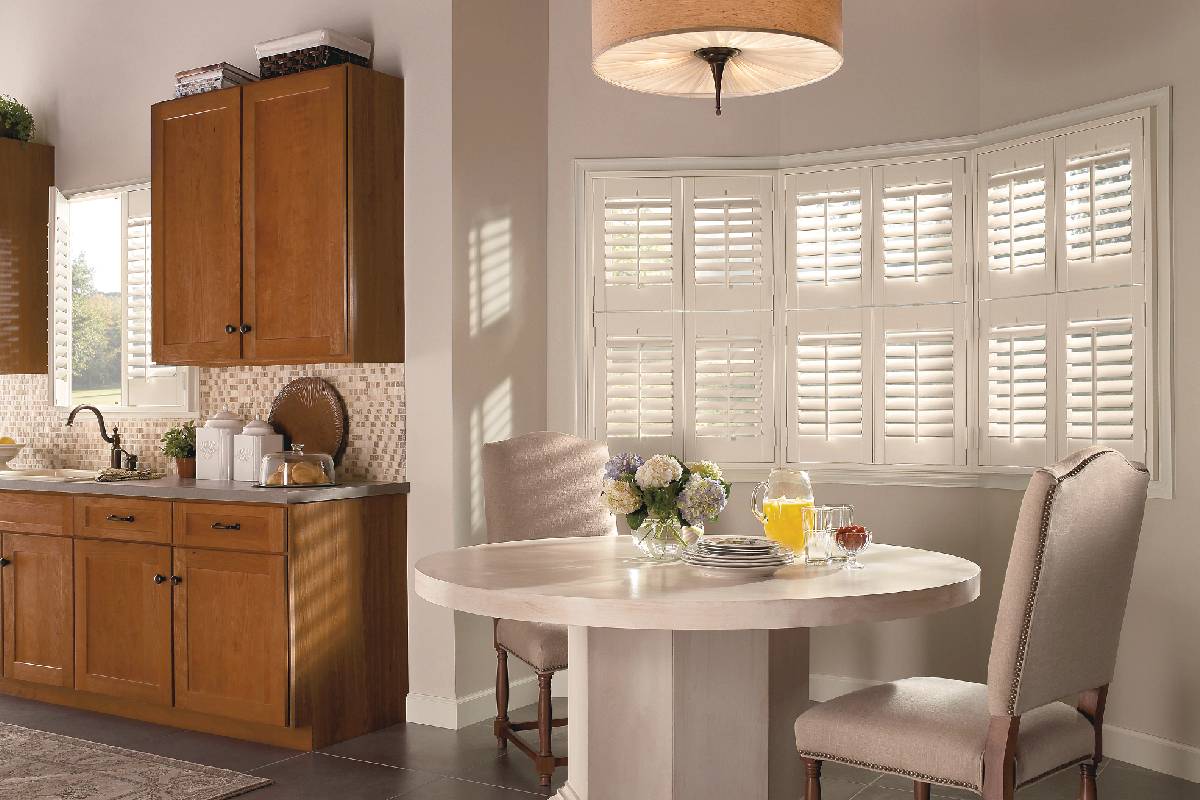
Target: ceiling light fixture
column 689, row 48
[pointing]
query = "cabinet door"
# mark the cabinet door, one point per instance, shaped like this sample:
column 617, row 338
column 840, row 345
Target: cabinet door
column 196, row 258
column 123, row 609
column 37, row 608
column 231, row 641
column 28, row 171
column 294, row 217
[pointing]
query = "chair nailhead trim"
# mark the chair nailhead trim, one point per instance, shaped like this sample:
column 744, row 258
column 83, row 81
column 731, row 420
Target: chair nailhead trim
column 905, row 773
column 1027, row 619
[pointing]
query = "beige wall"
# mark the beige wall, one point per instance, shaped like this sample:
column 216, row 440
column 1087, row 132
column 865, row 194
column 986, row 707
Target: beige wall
column 923, row 69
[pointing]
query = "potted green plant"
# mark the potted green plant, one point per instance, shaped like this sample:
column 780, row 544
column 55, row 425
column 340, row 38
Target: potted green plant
column 15, row 120
column 179, row 443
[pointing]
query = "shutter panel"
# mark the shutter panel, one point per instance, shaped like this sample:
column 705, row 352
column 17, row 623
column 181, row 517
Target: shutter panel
column 826, row 248
column 829, row 408
column 60, row 299
column 1015, row 231
column 636, row 247
column 920, row 383
column 1104, row 371
column 730, row 385
column 730, row 243
column 1100, row 206
column 921, row 239
column 1015, row 376
column 146, row 383
column 638, row 397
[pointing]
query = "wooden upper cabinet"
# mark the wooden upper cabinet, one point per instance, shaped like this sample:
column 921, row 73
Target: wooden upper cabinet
column 26, row 174
column 196, row 260
column 321, row 224
column 38, row 619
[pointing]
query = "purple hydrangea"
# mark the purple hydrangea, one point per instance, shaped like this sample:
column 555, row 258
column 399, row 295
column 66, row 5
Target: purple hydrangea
column 622, row 464
column 701, row 500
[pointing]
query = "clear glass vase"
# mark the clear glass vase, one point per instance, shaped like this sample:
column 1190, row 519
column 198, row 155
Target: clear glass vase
column 664, row 540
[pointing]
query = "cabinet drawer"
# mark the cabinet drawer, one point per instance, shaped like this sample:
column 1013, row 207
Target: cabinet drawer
column 229, row 526
column 22, row 512
column 126, row 519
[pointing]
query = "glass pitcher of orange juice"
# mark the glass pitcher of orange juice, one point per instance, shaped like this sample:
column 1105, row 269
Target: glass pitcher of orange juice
column 783, row 503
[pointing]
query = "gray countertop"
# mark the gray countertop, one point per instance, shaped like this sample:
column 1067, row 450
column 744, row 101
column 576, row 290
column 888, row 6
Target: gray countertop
column 175, row 488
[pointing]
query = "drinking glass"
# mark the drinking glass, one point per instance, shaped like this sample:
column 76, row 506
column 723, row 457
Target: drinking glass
column 818, row 546
column 852, row 543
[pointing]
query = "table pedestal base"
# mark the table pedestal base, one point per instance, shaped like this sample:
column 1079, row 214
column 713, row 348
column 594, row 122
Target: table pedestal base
column 684, row 715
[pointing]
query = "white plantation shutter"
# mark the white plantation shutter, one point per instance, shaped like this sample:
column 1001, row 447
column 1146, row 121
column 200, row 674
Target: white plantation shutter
column 1016, row 373
column 1016, row 222
column 829, row 401
column 1103, row 371
column 1100, row 206
column 921, row 235
column 59, row 247
column 638, row 381
column 729, row 361
column 826, row 247
column 730, row 242
column 920, row 371
column 636, row 248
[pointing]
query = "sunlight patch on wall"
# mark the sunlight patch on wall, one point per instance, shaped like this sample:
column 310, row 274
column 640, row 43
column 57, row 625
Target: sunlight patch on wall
column 491, row 421
column 490, row 273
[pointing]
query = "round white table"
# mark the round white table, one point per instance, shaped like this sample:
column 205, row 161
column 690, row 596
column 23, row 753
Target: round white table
column 682, row 685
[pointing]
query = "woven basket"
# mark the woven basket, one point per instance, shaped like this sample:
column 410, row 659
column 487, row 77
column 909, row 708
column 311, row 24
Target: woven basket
column 306, row 59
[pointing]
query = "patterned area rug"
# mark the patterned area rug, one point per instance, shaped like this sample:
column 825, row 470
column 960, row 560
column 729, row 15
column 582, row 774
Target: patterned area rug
column 35, row 765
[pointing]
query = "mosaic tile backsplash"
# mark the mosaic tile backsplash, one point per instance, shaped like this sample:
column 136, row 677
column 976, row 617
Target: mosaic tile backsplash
column 373, row 393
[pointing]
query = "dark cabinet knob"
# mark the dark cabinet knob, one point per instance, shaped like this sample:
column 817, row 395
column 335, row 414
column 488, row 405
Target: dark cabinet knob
column 227, row 526
column 176, row 580
column 160, row 578
column 4, row 562
column 245, row 328
column 231, row 328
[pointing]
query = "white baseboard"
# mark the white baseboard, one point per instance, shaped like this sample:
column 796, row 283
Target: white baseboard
column 566, row 792
column 459, row 712
column 1134, row 747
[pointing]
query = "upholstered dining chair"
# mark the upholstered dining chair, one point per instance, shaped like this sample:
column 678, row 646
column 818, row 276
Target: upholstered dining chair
column 538, row 486
column 1056, row 636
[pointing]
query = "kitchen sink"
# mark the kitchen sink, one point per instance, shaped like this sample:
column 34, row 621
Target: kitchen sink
column 48, row 474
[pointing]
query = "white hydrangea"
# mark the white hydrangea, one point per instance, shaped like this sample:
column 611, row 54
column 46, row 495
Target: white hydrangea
column 658, row 471
column 707, row 469
column 620, row 497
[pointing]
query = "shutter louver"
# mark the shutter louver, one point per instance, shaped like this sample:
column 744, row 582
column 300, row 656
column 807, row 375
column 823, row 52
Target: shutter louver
column 1016, row 378
column 921, row 233
column 638, row 386
column 730, row 387
column 636, row 242
column 730, row 252
column 826, row 243
column 829, row 410
column 60, row 299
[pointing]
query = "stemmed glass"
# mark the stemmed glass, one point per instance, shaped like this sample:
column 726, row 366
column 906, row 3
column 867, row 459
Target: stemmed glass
column 852, row 540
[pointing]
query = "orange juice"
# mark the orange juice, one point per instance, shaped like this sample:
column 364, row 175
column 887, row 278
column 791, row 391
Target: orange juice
column 788, row 521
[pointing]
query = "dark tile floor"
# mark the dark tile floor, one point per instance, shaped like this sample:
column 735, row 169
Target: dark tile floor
column 416, row 762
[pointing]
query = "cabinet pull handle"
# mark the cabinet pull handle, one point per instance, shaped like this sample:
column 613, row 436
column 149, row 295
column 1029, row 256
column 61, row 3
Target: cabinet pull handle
column 231, row 328
column 227, row 526
column 245, row 328
column 176, row 580
column 120, row 517
column 4, row 562
column 160, row 578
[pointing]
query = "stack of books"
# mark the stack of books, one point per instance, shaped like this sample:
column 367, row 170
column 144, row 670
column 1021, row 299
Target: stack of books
column 210, row 78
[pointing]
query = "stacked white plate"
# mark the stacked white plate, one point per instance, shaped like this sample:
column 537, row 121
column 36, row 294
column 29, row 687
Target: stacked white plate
column 737, row 556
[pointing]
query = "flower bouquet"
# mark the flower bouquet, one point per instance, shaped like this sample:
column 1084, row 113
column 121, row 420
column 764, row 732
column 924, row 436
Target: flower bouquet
column 665, row 501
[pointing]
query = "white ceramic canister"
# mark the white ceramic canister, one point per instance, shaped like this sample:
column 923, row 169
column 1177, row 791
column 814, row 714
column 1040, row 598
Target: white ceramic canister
column 214, row 447
column 256, row 440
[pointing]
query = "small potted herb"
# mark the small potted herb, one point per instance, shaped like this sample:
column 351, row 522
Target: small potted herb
column 179, row 443
column 15, row 120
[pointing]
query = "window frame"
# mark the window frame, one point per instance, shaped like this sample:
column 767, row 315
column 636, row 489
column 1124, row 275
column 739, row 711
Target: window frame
column 1152, row 108
column 187, row 376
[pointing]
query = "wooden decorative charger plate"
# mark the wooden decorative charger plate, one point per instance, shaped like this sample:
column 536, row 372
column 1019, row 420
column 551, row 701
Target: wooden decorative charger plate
column 309, row 411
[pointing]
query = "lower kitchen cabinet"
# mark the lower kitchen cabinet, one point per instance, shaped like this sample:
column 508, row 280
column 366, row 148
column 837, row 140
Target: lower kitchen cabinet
column 123, row 620
column 36, row 578
column 231, row 634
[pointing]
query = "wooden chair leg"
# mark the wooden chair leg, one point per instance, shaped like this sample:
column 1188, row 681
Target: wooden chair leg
column 1087, row 781
column 812, row 784
column 545, row 723
column 920, row 790
column 501, row 726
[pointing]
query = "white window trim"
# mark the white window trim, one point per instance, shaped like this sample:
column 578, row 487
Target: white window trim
column 190, row 375
column 1154, row 106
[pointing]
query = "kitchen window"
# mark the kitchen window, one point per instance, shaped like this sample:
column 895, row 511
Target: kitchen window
column 100, row 307
column 956, row 315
